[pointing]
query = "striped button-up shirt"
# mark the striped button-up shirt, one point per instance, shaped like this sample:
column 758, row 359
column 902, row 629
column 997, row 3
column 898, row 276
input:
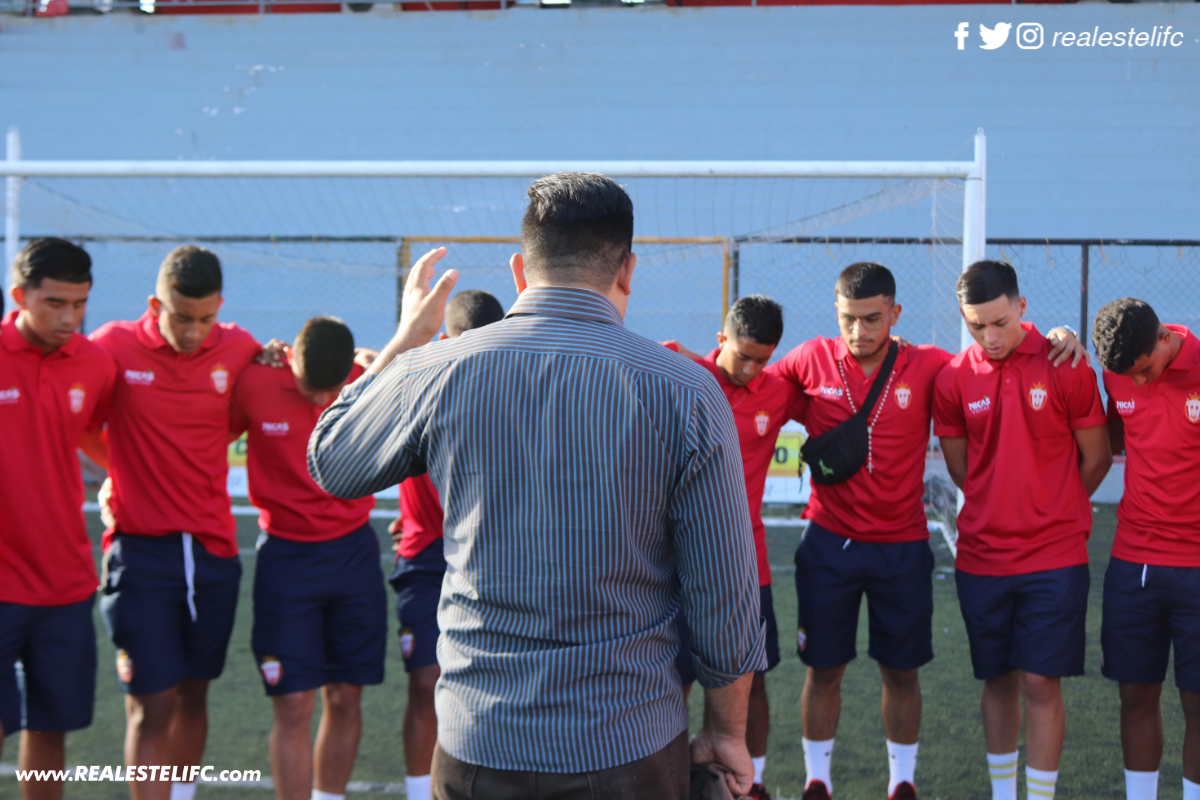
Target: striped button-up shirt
column 592, row 485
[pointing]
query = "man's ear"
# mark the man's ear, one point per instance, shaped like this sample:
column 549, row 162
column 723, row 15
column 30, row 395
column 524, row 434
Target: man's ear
column 721, row 338
column 517, row 265
column 896, row 308
column 442, row 336
column 155, row 305
column 1021, row 305
column 624, row 281
column 18, row 296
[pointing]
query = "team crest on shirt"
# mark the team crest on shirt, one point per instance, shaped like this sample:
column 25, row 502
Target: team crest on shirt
column 77, row 395
column 10, row 396
column 1037, row 396
column 761, row 420
column 1125, row 407
column 1193, row 407
column 220, row 378
column 124, row 666
column 271, row 670
column 406, row 642
column 275, row 428
column 903, row 395
column 801, row 639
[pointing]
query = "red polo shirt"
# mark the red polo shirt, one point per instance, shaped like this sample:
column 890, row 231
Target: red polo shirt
column 760, row 409
column 168, row 432
column 882, row 504
column 1026, row 509
column 279, row 420
column 46, row 403
column 1158, row 520
column 420, row 516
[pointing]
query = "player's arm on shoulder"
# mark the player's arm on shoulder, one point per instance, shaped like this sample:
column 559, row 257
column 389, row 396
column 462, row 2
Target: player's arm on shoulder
column 950, row 424
column 239, row 415
column 673, row 344
column 1095, row 456
column 1066, row 345
column 1116, row 428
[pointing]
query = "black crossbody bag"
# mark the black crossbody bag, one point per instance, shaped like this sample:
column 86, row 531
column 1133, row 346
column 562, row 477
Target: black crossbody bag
column 840, row 452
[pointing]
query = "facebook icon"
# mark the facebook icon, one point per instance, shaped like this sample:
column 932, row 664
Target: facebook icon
column 964, row 30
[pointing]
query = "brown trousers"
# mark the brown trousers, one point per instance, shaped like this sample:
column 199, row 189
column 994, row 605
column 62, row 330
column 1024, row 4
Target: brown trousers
column 658, row 776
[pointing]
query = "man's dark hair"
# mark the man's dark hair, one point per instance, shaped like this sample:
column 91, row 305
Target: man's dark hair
column 866, row 279
column 324, row 349
column 190, row 270
column 471, row 309
column 1124, row 331
column 577, row 229
column 53, row 258
column 985, row 281
column 755, row 317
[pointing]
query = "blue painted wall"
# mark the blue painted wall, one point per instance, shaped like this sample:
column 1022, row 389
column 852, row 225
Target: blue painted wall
column 1082, row 141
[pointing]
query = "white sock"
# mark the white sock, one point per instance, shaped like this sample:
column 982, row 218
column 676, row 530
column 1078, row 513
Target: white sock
column 317, row 794
column 1003, row 769
column 817, row 757
column 902, row 764
column 760, row 764
column 418, row 788
column 1039, row 783
column 1191, row 791
column 1141, row 785
column 183, row 791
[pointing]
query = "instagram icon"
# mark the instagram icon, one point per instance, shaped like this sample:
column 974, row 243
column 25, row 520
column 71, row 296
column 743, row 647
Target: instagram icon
column 1030, row 35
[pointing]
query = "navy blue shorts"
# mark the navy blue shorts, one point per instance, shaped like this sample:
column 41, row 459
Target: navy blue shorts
column 1036, row 622
column 1146, row 610
column 320, row 613
column 47, row 666
column 164, row 629
column 418, row 585
column 833, row 573
column 683, row 660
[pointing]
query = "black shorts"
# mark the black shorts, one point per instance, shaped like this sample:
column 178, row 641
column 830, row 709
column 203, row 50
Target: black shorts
column 1147, row 609
column 320, row 613
column 683, row 659
column 168, row 621
column 418, row 585
column 832, row 575
column 1036, row 622
column 47, row 666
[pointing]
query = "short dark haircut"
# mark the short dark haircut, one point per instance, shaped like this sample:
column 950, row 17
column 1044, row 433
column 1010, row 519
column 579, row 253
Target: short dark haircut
column 192, row 271
column 985, row 281
column 324, row 349
column 53, row 258
column 866, row 279
column 756, row 317
column 1124, row 331
column 471, row 309
column 577, row 229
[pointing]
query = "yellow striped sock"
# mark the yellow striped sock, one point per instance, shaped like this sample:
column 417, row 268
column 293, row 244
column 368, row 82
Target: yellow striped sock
column 1039, row 783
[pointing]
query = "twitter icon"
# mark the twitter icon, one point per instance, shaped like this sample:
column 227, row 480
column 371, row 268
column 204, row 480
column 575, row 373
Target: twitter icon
column 994, row 37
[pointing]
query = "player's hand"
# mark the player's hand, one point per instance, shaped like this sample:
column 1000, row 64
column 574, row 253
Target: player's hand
column 396, row 534
column 424, row 306
column 274, row 354
column 902, row 342
column 1066, row 346
column 679, row 348
column 365, row 357
column 727, row 754
column 104, row 498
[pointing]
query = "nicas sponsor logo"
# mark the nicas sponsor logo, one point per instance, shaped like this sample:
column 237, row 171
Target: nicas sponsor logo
column 832, row 392
column 275, row 428
column 980, row 406
column 1125, row 407
column 135, row 377
column 9, row 396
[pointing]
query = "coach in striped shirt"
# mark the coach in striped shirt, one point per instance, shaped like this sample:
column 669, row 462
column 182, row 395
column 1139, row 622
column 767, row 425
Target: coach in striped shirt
column 592, row 484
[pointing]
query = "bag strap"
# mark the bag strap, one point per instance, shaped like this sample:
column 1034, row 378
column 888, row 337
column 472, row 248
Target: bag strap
column 881, row 378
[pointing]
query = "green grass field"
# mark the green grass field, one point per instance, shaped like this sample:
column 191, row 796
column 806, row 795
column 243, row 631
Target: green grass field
column 951, row 764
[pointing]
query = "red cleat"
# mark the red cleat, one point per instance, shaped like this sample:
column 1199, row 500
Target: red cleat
column 815, row 791
column 904, row 791
column 758, row 792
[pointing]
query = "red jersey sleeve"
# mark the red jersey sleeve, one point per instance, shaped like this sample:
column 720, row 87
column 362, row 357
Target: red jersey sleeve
column 104, row 398
column 948, row 419
column 239, row 417
column 798, row 403
column 1085, row 409
column 789, row 367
